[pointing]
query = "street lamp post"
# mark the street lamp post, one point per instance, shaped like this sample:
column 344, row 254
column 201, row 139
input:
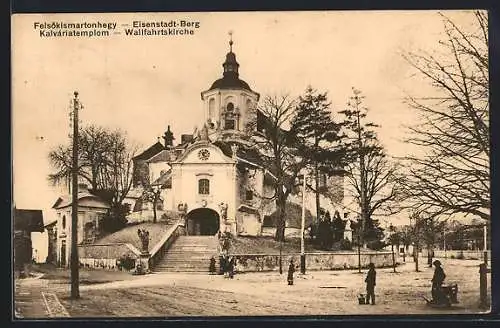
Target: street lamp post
column 392, row 249
column 302, row 245
column 444, row 242
column 359, row 251
column 416, row 243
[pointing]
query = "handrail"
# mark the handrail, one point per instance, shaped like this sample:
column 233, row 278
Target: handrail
column 159, row 249
column 162, row 241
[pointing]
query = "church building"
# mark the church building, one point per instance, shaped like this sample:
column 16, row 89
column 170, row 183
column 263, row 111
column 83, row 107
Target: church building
column 209, row 175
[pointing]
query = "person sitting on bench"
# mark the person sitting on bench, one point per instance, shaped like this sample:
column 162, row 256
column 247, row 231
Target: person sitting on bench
column 437, row 281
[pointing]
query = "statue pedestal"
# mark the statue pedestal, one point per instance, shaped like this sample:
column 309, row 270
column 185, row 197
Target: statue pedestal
column 348, row 234
column 142, row 264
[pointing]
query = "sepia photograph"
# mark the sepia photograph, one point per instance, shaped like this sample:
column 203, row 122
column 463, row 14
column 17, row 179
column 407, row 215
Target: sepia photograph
column 229, row 164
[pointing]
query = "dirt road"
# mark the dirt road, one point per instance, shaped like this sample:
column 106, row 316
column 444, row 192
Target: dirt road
column 316, row 293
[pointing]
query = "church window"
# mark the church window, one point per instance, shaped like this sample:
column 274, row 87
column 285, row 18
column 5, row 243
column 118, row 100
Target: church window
column 63, row 222
column 211, row 108
column 249, row 194
column 230, row 107
column 204, row 186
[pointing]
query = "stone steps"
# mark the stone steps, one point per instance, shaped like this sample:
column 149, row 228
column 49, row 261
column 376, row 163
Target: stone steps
column 189, row 254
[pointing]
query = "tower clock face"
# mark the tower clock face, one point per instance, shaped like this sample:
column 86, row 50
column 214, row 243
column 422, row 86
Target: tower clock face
column 204, row 154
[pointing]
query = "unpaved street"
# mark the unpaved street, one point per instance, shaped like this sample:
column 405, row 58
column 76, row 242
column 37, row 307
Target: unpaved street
column 316, row 293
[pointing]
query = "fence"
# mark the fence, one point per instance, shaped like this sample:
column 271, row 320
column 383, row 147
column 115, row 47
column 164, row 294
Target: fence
column 105, row 256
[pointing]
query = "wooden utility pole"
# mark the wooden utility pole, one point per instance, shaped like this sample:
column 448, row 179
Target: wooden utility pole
column 75, row 292
column 362, row 172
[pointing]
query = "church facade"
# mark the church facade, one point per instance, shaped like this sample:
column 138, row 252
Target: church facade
column 209, row 176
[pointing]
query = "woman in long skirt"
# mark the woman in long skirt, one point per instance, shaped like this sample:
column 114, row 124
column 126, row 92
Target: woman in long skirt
column 291, row 270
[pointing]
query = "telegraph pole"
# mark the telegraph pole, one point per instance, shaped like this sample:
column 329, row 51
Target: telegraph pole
column 362, row 171
column 75, row 292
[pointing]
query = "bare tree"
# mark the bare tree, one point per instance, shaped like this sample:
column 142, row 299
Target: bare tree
column 453, row 176
column 105, row 162
column 268, row 133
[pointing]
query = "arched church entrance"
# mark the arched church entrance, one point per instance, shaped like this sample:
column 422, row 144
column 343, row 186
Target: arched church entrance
column 202, row 222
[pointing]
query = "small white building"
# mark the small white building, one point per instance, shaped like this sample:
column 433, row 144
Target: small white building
column 91, row 210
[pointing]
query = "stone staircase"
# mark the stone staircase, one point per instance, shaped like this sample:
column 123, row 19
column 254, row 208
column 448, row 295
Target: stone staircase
column 189, row 254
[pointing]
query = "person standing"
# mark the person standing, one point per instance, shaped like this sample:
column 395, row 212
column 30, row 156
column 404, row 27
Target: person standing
column 291, row 270
column 231, row 267
column 370, row 280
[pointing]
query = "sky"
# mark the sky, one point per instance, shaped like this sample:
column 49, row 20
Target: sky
column 141, row 84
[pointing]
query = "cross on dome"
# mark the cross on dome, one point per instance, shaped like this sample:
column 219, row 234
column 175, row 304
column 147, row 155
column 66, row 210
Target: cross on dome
column 230, row 41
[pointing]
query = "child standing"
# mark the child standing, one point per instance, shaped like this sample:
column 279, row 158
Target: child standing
column 370, row 280
column 211, row 268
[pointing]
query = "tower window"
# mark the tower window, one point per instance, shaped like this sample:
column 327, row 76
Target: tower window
column 63, row 222
column 249, row 194
column 230, row 107
column 211, row 108
column 204, row 186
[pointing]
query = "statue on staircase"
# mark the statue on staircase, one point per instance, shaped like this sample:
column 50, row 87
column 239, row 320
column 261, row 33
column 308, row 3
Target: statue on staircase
column 144, row 236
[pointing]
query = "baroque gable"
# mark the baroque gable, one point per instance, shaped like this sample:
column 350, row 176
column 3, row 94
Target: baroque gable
column 204, row 153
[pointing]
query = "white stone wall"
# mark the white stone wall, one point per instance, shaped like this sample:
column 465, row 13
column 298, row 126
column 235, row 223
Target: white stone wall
column 218, row 169
column 156, row 168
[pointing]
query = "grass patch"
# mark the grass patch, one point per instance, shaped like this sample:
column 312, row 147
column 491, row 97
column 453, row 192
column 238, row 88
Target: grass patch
column 267, row 245
column 129, row 234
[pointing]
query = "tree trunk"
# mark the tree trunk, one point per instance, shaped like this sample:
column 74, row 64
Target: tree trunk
column 154, row 211
column 316, row 181
column 280, row 224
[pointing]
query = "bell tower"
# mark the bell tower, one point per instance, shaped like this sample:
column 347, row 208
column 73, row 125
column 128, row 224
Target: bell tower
column 228, row 101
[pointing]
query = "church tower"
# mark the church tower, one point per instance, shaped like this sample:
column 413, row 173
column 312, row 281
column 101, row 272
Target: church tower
column 227, row 102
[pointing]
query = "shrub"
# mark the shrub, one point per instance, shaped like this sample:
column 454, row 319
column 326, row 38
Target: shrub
column 168, row 216
column 376, row 245
column 126, row 262
column 460, row 255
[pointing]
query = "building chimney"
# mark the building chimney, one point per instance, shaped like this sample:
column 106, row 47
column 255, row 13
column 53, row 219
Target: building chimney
column 185, row 138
